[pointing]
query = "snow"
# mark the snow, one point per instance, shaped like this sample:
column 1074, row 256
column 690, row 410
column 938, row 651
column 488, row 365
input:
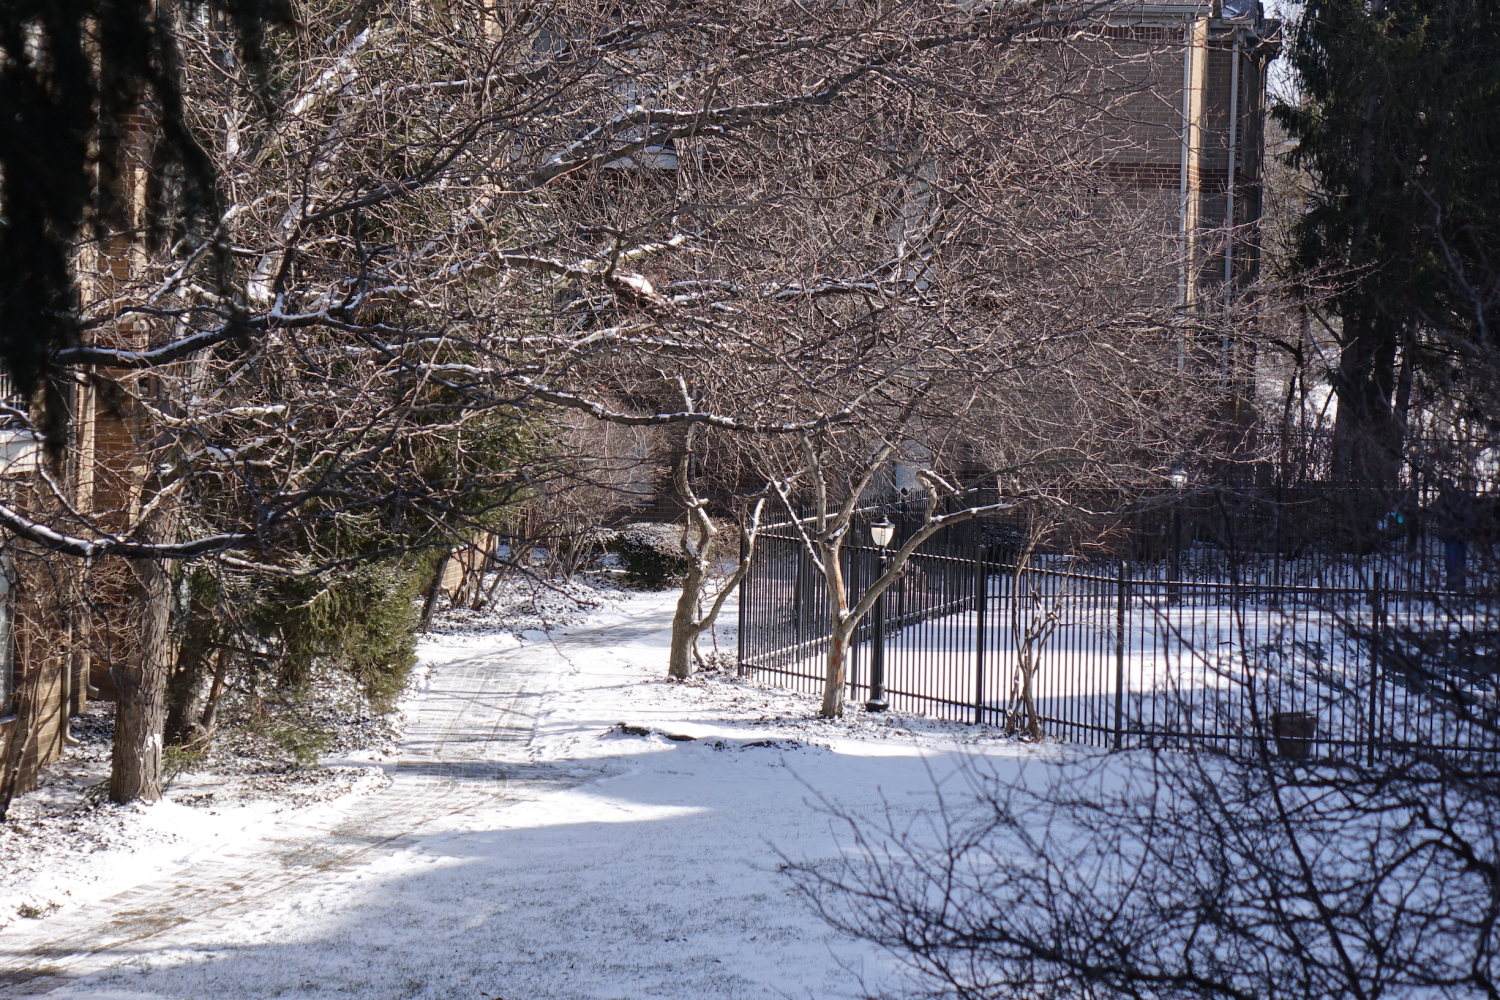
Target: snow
column 547, row 828
column 60, row 848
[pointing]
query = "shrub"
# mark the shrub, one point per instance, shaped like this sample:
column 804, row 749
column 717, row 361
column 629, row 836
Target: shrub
column 651, row 554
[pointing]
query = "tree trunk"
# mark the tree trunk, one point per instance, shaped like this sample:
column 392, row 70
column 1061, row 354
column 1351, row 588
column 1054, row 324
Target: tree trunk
column 685, row 625
column 1032, row 722
column 210, row 720
column 185, row 685
column 434, row 590
column 22, row 729
column 689, row 622
column 840, row 628
column 184, row 688
column 833, row 682
column 140, row 713
column 1367, row 432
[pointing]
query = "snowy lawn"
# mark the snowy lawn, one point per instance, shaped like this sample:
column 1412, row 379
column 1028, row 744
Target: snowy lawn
column 630, row 848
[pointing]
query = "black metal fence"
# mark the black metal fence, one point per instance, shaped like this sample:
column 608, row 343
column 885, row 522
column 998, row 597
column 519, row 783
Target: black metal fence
column 1203, row 649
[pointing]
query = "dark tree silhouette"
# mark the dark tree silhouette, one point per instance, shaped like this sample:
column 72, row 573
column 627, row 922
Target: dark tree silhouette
column 79, row 81
column 1397, row 129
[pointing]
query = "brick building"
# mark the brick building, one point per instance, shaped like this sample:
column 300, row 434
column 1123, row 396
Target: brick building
column 1192, row 140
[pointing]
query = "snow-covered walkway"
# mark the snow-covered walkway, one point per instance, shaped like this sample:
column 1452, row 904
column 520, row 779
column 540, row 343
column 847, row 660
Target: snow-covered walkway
column 529, row 847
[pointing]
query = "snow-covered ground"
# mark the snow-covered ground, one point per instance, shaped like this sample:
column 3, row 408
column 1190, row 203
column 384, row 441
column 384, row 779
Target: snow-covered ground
column 558, row 821
column 64, row 844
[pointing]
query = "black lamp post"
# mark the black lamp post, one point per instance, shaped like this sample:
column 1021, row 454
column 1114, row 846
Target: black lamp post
column 880, row 533
column 1174, row 564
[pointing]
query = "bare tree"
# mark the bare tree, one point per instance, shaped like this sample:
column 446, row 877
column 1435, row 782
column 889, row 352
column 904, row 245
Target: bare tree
column 838, row 489
column 700, row 541
column 1035, row 617
column 446, row 223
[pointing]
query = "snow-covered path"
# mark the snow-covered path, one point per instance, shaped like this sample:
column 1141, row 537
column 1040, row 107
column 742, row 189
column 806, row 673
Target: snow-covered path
column 471, row 729
column 526, row 848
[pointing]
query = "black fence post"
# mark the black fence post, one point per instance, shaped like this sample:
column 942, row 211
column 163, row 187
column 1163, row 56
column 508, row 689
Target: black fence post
column 1174, row 559
column 877, row 702
column 800, row 601
column 981, row 601
column 1377, row 614
column 1122, row 599
column 857, row 583
column 739, row 665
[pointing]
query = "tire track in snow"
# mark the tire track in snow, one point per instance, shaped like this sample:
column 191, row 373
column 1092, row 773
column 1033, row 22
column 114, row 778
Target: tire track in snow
column 465, row 747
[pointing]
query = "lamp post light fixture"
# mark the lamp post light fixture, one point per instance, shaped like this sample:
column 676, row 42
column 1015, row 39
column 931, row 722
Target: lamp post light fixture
column 881, row 533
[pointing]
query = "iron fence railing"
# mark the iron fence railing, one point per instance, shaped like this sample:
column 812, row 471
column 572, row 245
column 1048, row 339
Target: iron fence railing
column 1343, row 659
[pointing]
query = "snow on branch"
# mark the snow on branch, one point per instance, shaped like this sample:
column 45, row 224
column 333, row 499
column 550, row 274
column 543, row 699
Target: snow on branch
column 56, row 541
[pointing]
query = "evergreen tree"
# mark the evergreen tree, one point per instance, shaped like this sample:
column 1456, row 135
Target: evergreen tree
column 1398, row 128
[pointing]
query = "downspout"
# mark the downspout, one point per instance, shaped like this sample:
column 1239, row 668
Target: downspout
column 1234, row 109
column 1184, row 265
